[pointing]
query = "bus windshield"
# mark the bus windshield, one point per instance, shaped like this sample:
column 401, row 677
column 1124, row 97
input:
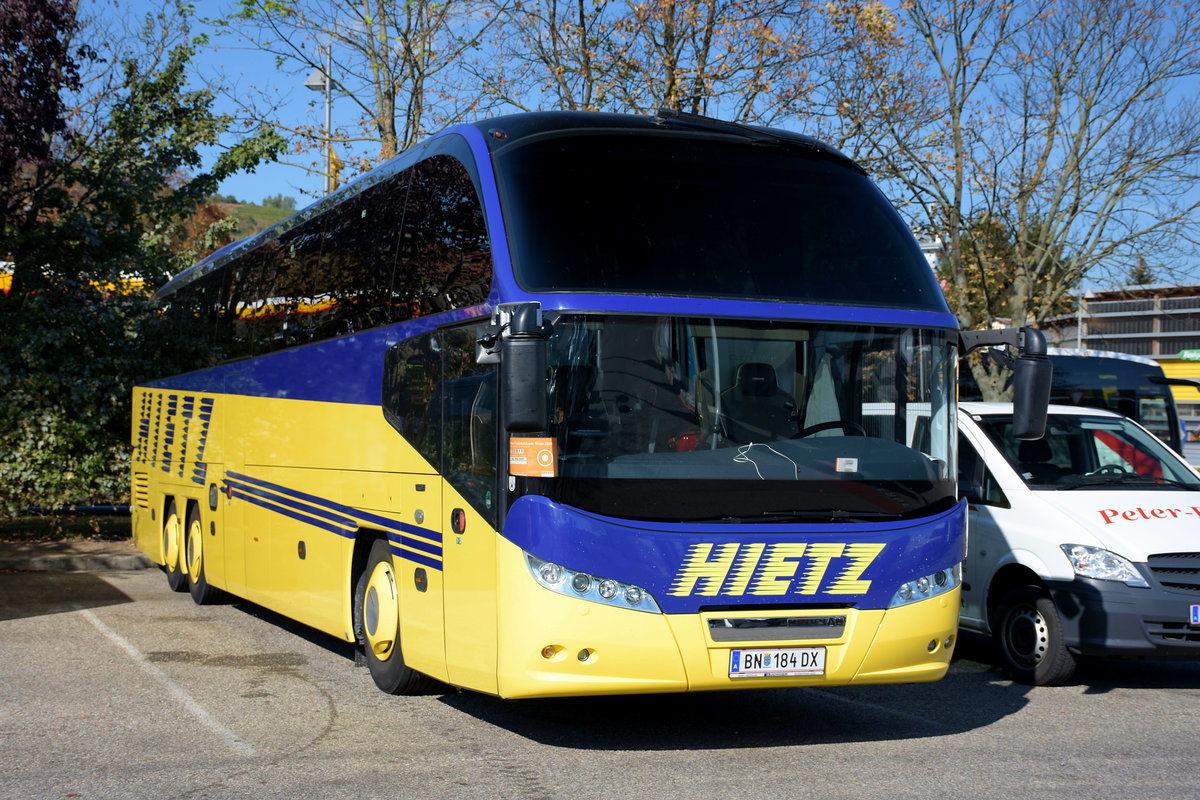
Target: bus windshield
column 676, row 214
column 712, row 419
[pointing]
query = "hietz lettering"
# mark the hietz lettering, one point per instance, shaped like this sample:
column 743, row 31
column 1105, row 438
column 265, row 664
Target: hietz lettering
column 760, row 569
column 1111, row 515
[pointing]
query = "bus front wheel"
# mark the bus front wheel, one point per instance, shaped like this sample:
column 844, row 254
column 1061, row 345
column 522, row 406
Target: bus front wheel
column 377, row 625
column 172, row 545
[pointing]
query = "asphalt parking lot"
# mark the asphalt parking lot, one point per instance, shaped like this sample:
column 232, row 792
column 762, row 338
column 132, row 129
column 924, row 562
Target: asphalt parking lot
column 116, row 687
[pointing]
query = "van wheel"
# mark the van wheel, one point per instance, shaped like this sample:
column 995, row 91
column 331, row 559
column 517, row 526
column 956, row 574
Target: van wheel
column 377, row 625
column 172, row 547
column 1030, row 638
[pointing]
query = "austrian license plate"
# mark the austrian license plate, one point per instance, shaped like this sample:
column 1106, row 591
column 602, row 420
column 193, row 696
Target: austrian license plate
column 1195, row 614
column 763, row 662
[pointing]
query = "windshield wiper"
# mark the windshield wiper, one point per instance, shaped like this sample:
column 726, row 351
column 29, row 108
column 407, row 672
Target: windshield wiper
column 1128, row 479
column 810, row 515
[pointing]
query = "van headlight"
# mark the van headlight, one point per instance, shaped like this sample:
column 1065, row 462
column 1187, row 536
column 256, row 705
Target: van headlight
column 1103, row 565
column 583, row 586
column 927, row 586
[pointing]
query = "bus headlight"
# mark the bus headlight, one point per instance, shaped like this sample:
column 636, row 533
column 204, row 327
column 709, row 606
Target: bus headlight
column 927, row 586
column 1103, row 565
column 583, row 586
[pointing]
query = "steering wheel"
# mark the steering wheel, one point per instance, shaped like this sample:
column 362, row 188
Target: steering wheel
column 852, row 428
column 1109, row 469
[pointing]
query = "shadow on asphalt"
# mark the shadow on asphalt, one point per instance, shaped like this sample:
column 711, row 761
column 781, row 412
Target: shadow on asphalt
column 34, row 594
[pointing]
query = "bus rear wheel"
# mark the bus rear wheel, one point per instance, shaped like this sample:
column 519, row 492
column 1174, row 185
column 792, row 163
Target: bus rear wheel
column 172, row 545
column 202, row 593
column 1030, row 638
column 377, row 625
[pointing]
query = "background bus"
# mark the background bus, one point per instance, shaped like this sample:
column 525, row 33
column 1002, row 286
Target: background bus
column 565, row 404
column 1133, row 386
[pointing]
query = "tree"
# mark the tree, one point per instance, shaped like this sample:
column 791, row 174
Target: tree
column 104, row 222
column 36, row 64
column 743, row 60
column 394, row 61
column 1069, row 123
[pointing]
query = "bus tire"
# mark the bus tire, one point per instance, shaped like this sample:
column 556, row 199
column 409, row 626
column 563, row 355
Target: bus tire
column 172, row 547
column 193, row 549
column 377, row 625
column 1030, row 638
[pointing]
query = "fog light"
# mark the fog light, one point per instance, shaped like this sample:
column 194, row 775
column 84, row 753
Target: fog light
column 581, row 582
column 932, row 645
column 585, row 654
column 551, row 573
column 949, row 642
column 548, row 652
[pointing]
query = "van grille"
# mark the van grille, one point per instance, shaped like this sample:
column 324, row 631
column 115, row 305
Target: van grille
column 1177, row 570
column 1173, row 633
column 141, row 489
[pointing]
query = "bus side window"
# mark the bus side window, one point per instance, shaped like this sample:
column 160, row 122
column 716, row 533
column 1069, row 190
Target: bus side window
column 411, row 400
column 469, row 432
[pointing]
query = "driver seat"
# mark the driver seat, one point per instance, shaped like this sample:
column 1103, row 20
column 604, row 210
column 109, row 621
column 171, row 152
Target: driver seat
column 755, row 409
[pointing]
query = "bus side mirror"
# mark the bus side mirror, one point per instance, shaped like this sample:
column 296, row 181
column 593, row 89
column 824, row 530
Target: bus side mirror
column 1031, row 395
column 523, row 369
column 1032, row 373
column 1031, row 378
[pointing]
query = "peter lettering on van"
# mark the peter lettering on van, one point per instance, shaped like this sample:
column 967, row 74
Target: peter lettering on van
column 1111, row 515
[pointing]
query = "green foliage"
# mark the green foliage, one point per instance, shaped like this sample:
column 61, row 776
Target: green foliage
column 78, row 330
column 279, row 201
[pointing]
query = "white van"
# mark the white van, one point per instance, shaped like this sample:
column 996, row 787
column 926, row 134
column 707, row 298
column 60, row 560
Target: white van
column 1083, row 543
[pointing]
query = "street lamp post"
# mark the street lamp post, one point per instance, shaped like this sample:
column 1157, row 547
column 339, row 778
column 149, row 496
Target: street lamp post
column 319, row 81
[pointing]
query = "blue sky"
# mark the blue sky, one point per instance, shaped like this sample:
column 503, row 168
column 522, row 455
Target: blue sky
column 224, row 56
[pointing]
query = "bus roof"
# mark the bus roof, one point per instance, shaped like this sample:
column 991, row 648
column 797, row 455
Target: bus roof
column 498, row 133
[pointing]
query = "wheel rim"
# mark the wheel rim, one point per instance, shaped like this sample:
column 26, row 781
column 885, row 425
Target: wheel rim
column 1026, row 636
column 171, row 541
column 380, row 612
column 195, row 549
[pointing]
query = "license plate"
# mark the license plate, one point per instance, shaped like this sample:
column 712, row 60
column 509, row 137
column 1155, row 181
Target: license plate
column 1195, row 614
column 777, row 661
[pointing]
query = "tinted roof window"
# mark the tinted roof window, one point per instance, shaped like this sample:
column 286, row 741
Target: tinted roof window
column 671, row 214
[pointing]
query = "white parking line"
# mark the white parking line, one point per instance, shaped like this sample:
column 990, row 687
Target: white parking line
column 186, row 700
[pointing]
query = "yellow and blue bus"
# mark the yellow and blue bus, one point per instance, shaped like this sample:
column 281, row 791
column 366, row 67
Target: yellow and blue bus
column 574, row 404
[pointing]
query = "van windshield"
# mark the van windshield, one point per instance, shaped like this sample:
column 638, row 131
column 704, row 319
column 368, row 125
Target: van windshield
column 1083, row 452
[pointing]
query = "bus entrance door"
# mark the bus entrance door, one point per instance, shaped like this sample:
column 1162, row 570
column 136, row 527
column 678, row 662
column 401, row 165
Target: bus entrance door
column 419, row 573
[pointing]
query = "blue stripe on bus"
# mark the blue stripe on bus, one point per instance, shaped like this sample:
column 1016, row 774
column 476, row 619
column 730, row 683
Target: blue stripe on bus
column 287, row 512
column 348, row 511
column 343, row 523
column 419, row 545
column 417, row 558
column 416, row 544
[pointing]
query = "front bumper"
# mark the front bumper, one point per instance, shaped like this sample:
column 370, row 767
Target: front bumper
column 553, row 645
column 1105, row 618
